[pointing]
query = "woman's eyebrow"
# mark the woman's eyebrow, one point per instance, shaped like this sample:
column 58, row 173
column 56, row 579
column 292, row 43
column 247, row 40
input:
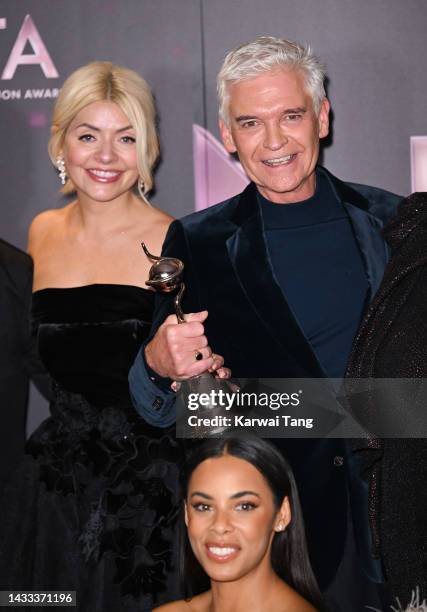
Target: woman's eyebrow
column 97, row 129
column 243, row 493
column 237, row 495
column 200, row 494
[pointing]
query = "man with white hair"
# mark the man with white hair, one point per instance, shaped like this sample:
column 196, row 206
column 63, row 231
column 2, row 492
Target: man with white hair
column 284, row 271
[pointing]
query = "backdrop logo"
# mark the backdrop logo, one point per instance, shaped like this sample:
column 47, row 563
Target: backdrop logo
column 217, row 176
column 40, row 56
column 418, row 163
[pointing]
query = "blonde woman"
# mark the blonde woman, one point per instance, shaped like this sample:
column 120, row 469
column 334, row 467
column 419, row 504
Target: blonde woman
column 92, row 508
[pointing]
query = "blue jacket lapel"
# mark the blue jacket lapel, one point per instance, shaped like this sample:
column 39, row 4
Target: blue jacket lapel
column 367, row 230
column 249, row 256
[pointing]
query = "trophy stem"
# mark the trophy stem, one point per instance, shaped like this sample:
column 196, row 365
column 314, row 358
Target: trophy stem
column 177, row 300
column 150, row 255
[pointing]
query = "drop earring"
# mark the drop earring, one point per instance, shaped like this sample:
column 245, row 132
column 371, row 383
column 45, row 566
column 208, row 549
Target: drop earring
column 141, row 185
column 60, row 164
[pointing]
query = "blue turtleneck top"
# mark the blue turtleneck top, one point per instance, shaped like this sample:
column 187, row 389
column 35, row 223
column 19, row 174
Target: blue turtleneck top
column 318, row 265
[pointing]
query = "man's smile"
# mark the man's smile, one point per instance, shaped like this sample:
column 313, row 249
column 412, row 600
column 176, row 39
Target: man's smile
column 279, row 161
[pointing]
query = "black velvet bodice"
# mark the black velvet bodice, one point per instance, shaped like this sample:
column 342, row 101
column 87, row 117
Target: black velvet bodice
column 106, row 516
column 88, row 337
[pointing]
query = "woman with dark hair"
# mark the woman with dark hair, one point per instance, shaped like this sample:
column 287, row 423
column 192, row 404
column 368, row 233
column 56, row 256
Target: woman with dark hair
column 245, row 532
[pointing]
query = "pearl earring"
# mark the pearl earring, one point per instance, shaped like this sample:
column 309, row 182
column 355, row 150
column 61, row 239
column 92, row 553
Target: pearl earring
column 60, row 164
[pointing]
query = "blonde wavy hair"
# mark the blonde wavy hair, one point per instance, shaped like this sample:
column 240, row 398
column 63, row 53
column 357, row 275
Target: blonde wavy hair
column 104, row 81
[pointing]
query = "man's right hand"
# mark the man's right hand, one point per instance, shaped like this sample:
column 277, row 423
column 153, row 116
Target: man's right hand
column 172, row 351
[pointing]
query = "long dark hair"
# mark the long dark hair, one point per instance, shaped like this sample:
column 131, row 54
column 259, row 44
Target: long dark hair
column 289, row 554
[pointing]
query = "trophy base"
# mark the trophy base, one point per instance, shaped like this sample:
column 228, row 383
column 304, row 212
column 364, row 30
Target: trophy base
column 205, row 389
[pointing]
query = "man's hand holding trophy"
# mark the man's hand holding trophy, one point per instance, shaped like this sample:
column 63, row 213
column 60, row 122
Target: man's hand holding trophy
column 195, row 368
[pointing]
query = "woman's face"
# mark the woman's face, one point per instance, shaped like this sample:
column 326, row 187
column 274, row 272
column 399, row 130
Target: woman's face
column 231, row 518
column 100, row 152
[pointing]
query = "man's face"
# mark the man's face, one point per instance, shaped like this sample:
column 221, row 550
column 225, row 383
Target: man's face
column 275, row 131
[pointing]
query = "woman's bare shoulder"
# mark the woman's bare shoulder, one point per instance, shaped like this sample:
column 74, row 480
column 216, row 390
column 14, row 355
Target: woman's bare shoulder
column 153, row 228
column 45, row 218
column 298, row 604
column 162, row 216
column 160, row 220
column 44, row 223
column 199, row 603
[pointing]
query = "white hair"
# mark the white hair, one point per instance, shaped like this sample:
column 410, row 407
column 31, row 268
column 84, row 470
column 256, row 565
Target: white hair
column 264, row 54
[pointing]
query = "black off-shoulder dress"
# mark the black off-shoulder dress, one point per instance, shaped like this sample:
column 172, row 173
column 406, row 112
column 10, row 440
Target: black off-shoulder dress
column 94, row 504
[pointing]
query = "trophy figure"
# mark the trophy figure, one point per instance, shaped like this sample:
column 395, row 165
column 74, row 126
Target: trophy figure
column 166, row 275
